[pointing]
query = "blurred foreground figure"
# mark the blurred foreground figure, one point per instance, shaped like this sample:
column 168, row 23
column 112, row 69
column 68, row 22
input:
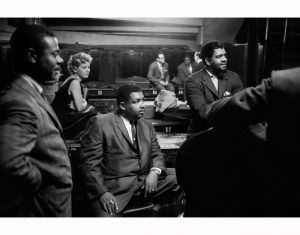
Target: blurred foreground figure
column 276, row 101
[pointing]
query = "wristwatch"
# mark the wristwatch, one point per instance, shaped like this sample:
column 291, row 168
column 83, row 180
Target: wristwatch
column 156, row 170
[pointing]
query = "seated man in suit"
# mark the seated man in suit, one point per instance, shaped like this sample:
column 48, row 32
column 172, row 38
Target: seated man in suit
column 120, row 157
column 35, row 170
column 210, row 84
column 184, row 71
column 158, row 74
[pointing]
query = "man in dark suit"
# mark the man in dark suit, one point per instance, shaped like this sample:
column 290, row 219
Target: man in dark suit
column 209, row 84
column 35, row 171
column 184, row 71
column 276, row 100
column 158, row 74
column 120, row 157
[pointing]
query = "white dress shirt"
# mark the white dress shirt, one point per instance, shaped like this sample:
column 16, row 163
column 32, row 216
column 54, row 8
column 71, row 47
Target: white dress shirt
column 214, row 79
column 190, row 68
column 128, row 127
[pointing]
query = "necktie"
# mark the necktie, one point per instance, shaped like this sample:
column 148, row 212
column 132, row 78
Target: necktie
column 134, row 136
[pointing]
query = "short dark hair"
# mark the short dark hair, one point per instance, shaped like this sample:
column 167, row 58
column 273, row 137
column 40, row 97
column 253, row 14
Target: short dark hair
column 123, row 93
column 159, row 53
column 27, row 36
column 187, row 56
column 208, row 49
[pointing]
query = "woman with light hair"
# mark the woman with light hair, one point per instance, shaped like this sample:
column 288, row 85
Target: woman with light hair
column 70, row 100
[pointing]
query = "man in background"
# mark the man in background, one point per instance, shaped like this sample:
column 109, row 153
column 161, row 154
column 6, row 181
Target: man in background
column 210, row 84
column 184, row 71
column 158, row 74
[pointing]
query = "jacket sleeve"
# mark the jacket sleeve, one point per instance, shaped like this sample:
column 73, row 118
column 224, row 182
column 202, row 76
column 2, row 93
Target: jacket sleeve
column 195, row 97
column 238, row 85
column 89, row 170
column 246, row 107
column 18, row 134
column 158, row 158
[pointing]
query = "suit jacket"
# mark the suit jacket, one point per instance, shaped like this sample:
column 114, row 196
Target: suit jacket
column 183, row 73
column 35, row 176
column 276, row 100
column 154, row 74
column 200, row 91
column 110, row 162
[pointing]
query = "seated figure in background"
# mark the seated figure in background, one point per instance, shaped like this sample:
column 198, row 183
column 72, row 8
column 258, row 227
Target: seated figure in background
column 158, row 74
column 184, row 71
column 70, row 100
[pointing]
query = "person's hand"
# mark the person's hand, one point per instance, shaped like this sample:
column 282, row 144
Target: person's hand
column 164, row 83
column 84, row 103
column 109, row 203
column 151, row 183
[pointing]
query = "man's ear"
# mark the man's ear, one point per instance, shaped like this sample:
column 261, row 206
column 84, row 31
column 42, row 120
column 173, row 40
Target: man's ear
column 207, row 60
column 31, row 55
column 122, row 106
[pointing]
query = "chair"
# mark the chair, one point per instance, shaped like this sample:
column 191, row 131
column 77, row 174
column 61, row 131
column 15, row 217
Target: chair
column 76, row 123
column 138, row 208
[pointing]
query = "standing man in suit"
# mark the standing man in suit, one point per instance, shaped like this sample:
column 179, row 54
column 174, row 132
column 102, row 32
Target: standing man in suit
column 35, row 171
column 184, row 71
column 120, row 157
column 158, row 74
column 198, row 63
column 210, row 84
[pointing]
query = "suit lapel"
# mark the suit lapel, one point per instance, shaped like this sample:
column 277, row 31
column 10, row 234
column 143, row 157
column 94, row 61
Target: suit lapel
column 123, row 129
column 208, row 82
column 23, row 85
column 140, row 136
column 42, row 102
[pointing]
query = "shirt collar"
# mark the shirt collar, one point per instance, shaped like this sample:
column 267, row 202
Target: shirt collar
column 125, row 120
column 33, row 83
column 210, row 74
